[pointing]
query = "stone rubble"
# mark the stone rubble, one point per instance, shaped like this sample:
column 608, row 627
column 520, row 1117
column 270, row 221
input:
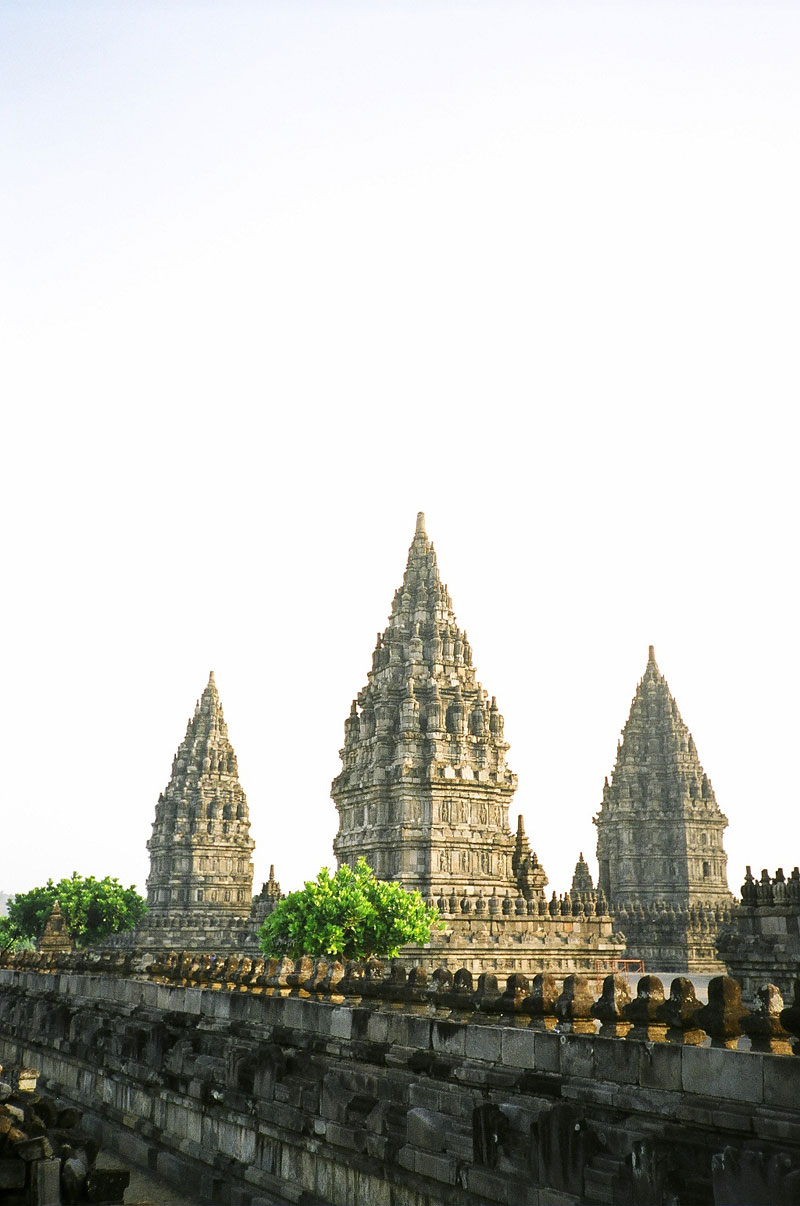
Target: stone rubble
column 44, row 1158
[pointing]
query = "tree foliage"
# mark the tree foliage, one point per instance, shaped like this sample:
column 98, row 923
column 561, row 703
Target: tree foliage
column 92, row 909
column 349, row 915
column 9, row 939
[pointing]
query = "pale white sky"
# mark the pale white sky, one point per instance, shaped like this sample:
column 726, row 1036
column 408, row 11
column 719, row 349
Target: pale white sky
column 274, row 277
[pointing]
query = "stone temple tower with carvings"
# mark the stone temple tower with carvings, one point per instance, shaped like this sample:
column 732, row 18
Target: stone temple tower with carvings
column 425, row 789
column 659, row 838
column 199, row 890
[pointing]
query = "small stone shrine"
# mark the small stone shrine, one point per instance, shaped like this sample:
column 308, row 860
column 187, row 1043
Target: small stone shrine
column 659, row 839
column 425, row 789
column 56, row 938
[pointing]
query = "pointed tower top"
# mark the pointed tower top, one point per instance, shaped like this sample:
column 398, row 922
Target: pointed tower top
column 651, row 655
column 421, row 524
column 211, row 678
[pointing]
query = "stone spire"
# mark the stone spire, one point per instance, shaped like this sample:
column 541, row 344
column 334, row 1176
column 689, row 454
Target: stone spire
column 581, row 880
column 424, row 789
column 200, row 848
column 659, row 830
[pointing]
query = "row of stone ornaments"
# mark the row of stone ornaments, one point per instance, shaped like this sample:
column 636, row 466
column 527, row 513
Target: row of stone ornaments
column 545, row 1002
column 767, row 891
column 569, row 904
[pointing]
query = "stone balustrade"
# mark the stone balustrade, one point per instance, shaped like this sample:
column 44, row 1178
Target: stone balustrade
column 242, row 1079
column 579, row 1004
column 770, row 891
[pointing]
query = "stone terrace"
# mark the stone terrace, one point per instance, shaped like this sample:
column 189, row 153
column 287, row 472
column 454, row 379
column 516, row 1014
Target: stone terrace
column 260, row 1082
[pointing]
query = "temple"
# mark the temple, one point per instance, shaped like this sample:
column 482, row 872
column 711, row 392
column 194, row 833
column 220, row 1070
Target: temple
column 200, row 885
column 425, row 789
column 659, row 838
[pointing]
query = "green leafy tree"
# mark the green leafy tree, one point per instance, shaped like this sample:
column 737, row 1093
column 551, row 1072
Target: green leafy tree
column 92, row 909
column 9, row 939
column 349, row 915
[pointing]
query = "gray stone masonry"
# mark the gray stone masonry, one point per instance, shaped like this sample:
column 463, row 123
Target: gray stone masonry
column 316, row 1083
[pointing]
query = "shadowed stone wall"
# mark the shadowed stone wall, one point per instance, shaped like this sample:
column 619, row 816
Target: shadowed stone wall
column 314, row 1083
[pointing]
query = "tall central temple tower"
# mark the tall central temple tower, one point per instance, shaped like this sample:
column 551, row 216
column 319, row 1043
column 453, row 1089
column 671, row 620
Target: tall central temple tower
column 425, row 789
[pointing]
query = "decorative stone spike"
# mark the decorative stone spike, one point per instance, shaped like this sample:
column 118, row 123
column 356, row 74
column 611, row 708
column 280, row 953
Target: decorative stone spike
column 679, row 1013
column 724, row 1014
column 541, row 1002
column 574, row 1006
column 763, row 1024
column 644, row 1011
column 609, row 1009
column 790, row 1018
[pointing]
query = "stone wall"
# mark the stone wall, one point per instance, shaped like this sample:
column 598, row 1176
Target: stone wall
column 314, row 1083
column 762, row 940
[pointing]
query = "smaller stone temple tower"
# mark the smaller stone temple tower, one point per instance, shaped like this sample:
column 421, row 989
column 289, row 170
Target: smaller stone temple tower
column 659, row 838
column 199, row 890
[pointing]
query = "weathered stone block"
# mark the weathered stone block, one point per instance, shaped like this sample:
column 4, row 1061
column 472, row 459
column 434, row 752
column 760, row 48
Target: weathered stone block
column 106, row 1184
column 406, row 1157
column 519, row 1048
column 12, row 1174
column 772, row 1127
column 440, row 1168
column 428, row 1129
column 492, row 1186
column 483, row 1042
column 424, row 1096
column 717, row 1072
column 781, row 1081
column 38, row 1148
column 378, row 1028
column 617, row 1061
column 341, row 1023
column 346, row 1136
column 660, row 1066
column 419, row 1033
column 730, row 1120
column 449, row 1037
column 548, row 1051
column 577, row 1055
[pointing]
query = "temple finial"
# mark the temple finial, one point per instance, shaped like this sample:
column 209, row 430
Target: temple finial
column 421, row 524
column 651, row 654
column 211, row 678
